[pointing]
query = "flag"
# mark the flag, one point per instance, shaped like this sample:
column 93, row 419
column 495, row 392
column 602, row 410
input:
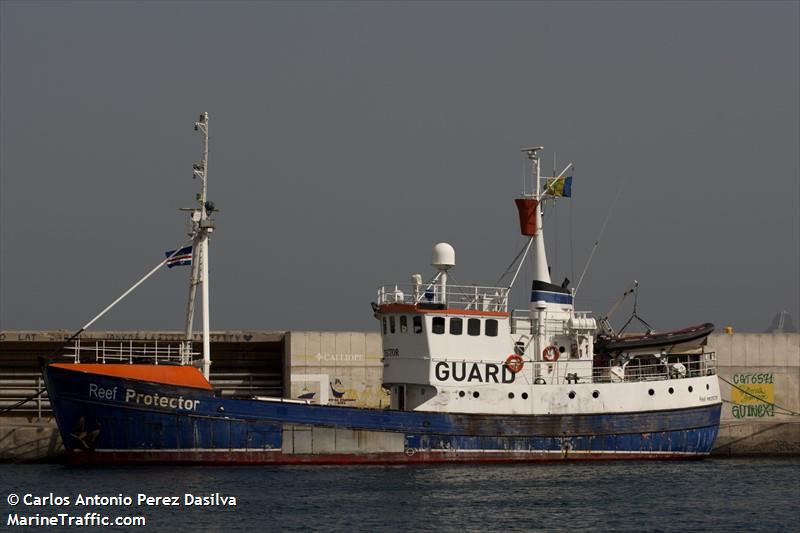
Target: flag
column 559, row 186
column 181, row 257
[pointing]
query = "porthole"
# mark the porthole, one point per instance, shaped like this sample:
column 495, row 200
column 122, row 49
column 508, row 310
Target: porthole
column 651, row 392
column 461, row 394
column 706, row 386
column 524, row 395
column 671, row 390
column 511, row 395
column 595, row 394
column 571, row 394
column 561, row 349
column 691, row 388
column 476, row 394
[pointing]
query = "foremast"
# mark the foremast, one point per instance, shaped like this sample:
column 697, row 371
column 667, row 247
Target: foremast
column 201, row 227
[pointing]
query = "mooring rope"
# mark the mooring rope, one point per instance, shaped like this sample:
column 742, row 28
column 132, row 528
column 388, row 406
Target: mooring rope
column 43, row 390
column 22, row 402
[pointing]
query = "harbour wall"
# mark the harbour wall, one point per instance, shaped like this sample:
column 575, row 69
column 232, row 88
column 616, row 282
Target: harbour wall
column 760, row 383
column 336, row 367
column 759, row 373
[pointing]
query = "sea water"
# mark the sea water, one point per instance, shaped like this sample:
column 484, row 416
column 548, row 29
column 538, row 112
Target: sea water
column 709, row 495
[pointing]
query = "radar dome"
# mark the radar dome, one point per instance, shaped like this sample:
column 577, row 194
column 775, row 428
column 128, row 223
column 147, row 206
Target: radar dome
column 444, row 256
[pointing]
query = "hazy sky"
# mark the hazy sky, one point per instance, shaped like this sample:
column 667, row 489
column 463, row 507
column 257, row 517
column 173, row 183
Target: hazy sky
column 348, row 138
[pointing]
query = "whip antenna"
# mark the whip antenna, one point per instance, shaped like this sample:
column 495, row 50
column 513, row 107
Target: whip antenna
column 599, row 236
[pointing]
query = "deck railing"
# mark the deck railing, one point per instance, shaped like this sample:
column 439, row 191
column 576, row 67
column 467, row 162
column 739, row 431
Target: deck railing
column 131, row 351
column 674, row 366
column 524, row 321
column 470, row 297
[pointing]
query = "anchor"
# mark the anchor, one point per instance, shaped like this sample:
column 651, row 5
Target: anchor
column 86, row 438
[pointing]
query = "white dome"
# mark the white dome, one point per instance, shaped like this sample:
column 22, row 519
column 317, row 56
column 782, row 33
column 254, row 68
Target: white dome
column 444, row 256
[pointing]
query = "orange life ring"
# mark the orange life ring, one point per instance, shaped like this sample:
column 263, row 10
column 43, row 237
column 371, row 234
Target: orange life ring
column 514, row 362
column 550, row 353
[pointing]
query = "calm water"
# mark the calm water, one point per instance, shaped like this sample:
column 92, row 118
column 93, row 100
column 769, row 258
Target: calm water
column 718, row 495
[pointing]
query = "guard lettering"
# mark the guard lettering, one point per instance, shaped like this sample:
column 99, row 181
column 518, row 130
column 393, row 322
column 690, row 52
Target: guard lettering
column 472, row 372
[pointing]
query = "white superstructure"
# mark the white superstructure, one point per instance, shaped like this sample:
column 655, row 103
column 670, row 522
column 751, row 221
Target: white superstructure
column 450, row 348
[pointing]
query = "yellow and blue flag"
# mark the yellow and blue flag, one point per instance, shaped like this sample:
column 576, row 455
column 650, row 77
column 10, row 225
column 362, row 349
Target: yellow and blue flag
column 559, row 186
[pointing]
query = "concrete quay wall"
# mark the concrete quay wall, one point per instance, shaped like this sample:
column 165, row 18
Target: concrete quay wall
column 336, row 367
column 24, row 441
column 760, row 383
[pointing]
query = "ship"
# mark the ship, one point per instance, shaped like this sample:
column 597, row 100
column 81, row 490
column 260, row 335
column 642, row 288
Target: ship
column 469, row 379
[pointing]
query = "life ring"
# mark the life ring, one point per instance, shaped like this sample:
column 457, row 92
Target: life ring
column 550, row 353
column 514, row 363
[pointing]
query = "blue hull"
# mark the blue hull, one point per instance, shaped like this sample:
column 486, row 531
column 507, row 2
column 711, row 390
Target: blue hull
column 110, row 419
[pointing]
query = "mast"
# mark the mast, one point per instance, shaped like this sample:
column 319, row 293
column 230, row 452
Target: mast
column 538, row 257
column 540, row 270
column 202, row 226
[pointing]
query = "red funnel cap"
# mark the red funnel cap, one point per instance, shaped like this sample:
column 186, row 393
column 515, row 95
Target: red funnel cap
column 527, row 215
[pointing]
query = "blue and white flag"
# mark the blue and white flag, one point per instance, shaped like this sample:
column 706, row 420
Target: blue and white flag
column 181, row 257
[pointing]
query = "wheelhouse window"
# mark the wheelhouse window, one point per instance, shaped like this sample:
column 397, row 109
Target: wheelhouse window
column 417, row 324
column 474, row 327
column 403, row 324
column 438, row 325
column 491, row 327
column 391, row 324
column 456, row 326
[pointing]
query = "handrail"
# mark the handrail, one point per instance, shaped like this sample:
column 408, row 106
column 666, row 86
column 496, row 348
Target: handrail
column 474, row 297
column 132, row 351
